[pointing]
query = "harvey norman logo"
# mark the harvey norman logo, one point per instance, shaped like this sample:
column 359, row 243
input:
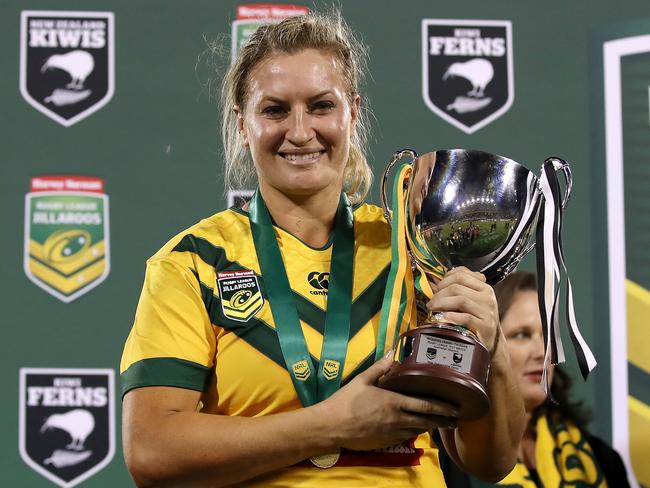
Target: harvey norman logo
column 467, row 70
column 67, row 62
column 251, row 16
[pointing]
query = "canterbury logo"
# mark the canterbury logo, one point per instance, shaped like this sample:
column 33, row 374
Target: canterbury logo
column 301, row 370
column 320, row 281
column 331, row 369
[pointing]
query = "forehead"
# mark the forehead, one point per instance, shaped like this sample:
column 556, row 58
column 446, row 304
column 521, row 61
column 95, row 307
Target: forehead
column 524, row 309
column 298, row 74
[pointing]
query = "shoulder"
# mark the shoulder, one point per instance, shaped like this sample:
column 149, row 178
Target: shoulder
column 367, row 212
column 609, row 461
column 223, row 230
column 371, row 225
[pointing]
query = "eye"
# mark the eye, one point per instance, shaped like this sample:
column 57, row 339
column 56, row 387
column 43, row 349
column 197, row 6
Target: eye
column 273, row 111
column 520, row 335
column 322, row 106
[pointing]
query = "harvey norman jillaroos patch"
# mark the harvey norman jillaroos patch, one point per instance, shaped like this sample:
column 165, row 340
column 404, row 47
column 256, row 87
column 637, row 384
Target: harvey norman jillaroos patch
column 67, row 62
column 66, row 235
column 66, row 422
column 240, row 294
column 467, row 70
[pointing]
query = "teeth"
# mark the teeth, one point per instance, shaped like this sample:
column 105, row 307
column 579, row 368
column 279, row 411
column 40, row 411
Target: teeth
column 302, row 157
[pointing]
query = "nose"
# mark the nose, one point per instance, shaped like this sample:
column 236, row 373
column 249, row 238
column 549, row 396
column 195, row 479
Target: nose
column 538, row 346
column 300, row 130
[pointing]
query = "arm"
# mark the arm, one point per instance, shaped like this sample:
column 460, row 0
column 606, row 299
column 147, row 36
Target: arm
column 486, row 447
column 167, row 443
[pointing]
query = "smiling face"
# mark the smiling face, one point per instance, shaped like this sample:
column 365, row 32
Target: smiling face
column 522, row 328
column 297, row 122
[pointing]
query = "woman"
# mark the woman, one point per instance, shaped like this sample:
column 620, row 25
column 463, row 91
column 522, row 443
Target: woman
column 555, row 450
column 250, row 359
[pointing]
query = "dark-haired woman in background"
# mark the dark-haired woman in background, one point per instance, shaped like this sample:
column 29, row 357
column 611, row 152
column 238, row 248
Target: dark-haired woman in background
column 556, row 449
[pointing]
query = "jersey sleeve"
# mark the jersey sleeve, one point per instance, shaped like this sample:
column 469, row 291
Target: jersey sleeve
column 172, row 342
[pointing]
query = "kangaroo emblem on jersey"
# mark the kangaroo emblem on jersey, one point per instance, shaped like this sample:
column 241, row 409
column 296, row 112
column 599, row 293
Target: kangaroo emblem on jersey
column 240, row 294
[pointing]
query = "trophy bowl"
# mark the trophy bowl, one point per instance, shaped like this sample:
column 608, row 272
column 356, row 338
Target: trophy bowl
column 462, row 208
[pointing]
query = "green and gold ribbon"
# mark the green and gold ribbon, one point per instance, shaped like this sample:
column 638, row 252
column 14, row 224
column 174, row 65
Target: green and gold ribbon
column 398, row 307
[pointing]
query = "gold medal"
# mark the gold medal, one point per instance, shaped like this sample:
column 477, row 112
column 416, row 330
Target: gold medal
column 325, row 461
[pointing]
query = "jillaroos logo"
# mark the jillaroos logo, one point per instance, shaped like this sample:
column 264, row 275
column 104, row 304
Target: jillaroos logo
column 320, row 281
column 67, row 62
column 66, row 235
column 240, row 294
column 467, row 74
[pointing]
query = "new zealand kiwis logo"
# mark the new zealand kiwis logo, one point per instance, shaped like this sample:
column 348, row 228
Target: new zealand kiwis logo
column 320, row 281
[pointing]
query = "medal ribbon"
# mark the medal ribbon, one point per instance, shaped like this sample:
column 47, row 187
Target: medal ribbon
column 399, row 297
column 311, row 388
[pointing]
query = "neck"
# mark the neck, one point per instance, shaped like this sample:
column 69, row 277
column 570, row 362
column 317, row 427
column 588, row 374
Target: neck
column 527, row 444
column 310, row 218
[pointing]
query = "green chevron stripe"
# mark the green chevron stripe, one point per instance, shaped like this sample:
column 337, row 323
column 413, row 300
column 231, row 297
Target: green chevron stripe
column 72, row 273
column 255, row 332
column 367, row 304
column 639, row 384
column 260, row 335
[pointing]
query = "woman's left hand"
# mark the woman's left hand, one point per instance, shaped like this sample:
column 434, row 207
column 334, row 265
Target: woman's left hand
column 464, row 298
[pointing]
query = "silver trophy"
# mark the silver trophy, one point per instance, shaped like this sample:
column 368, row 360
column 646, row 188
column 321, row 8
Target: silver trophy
column 479, row 210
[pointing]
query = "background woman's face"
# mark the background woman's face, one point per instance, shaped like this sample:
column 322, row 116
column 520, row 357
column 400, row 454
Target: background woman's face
column 522, row 328
column 297, row 122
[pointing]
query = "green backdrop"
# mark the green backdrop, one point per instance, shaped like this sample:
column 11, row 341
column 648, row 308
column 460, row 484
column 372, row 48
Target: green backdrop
column 156, row 145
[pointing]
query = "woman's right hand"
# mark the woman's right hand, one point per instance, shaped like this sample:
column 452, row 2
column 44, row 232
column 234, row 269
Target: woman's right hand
column 366, row 417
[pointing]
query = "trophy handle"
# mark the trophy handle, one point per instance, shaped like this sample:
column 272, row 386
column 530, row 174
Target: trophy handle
column 396, row 157
column 558, row 164
column 561, row 164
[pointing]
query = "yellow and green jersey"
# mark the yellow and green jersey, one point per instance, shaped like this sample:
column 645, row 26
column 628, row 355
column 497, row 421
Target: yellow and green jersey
column 204, row 323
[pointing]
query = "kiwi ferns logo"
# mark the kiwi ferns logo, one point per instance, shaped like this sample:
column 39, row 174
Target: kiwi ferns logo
column 66, row 235
column 467, row 70
column 67, row 62
column 240, row 294
column 251, row 16
column 67, row 422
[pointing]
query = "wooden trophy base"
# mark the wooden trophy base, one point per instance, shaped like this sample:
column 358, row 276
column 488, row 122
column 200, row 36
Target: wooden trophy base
column 445, row 362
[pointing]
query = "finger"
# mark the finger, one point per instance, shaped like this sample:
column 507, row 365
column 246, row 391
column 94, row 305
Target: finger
column 377, row 370
column 423, row 423
column 458, row 303
column 426, row 406
column 465, row 270
column 463, row 319
column 475, row 281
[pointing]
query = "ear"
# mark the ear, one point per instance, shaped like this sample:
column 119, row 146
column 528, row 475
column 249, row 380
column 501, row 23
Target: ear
column 354, row 112
column 241, row 127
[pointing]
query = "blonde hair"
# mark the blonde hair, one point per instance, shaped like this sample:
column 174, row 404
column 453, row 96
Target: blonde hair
column 323, row 32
